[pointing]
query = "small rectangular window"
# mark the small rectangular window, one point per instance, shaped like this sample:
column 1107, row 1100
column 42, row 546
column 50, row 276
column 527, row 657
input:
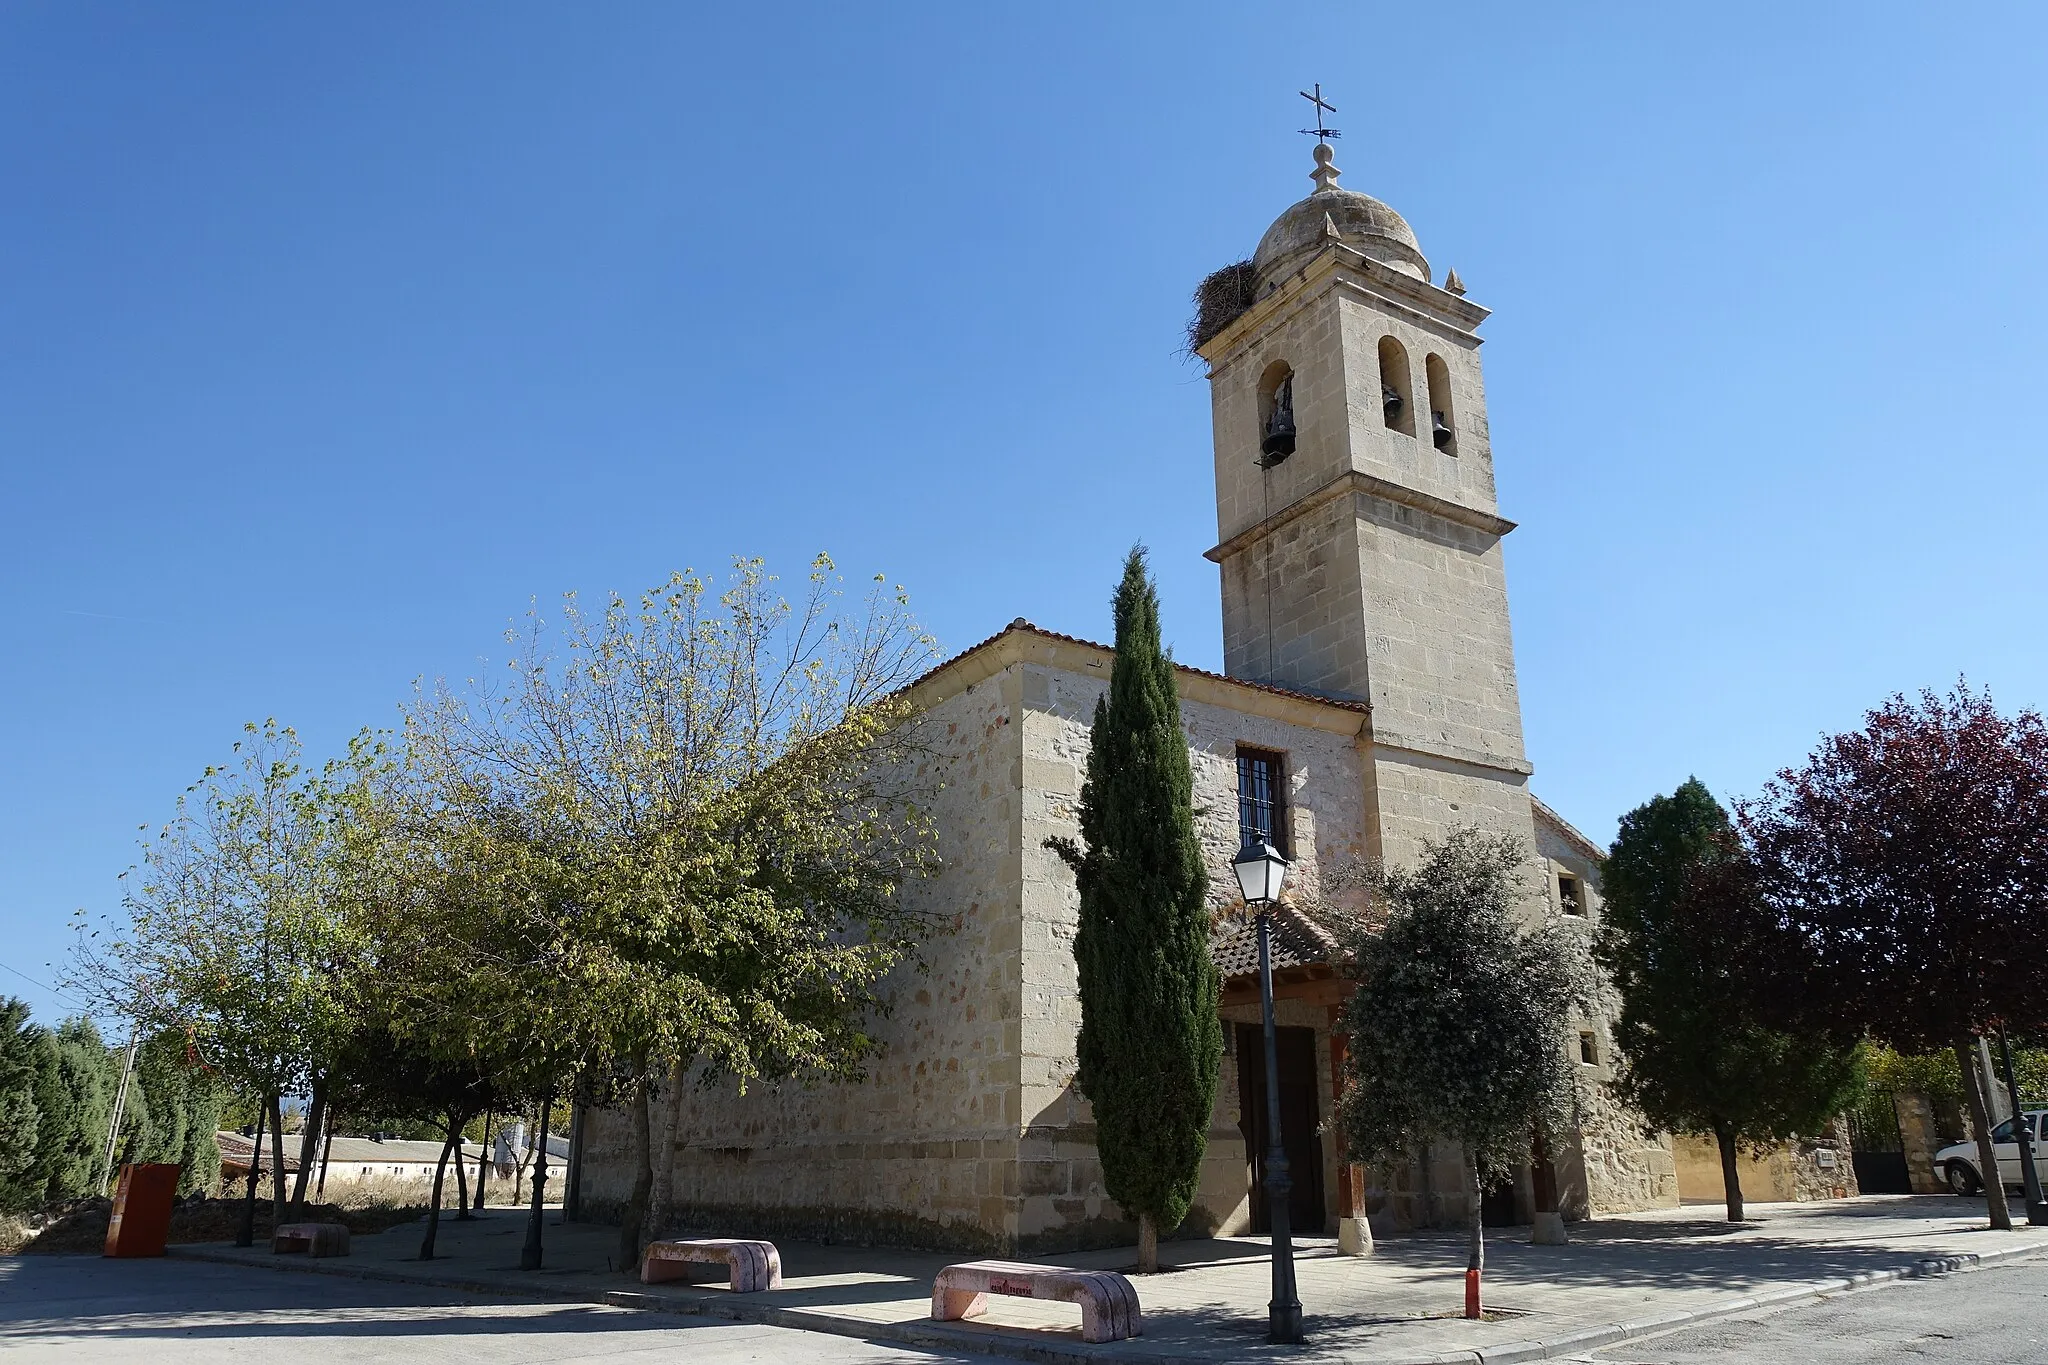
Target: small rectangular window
column 1568, row 895
column 1261, row 799
column 1589, row 1049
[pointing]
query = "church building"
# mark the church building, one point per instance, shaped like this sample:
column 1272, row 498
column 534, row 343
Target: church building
column 1368, row 702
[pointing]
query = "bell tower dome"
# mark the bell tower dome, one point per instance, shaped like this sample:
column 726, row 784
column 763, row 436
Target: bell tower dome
column 1358, row 535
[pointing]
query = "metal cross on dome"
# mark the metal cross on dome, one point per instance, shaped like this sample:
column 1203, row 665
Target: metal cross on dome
column 1321, row 134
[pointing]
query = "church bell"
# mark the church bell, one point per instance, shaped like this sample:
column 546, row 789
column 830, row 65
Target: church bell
column 1390, row 405
column 1277, row 443
column 1439, row 431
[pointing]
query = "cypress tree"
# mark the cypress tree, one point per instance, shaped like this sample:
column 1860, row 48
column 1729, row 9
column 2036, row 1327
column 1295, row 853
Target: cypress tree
column 1151, row 1041
column 19, row 1116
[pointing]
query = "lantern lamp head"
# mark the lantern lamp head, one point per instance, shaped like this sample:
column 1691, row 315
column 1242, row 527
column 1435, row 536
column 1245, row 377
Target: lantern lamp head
column 1261, row 870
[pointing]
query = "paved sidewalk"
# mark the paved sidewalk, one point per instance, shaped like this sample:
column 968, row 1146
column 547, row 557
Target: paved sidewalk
column 1621, row 1277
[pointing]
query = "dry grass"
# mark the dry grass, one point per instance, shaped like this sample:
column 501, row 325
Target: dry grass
column 388, row 1192
column 80, row 1225
column 15, row 1233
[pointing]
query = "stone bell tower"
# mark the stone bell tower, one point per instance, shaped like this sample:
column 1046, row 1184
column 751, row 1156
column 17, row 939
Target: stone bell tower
column 1358, row 535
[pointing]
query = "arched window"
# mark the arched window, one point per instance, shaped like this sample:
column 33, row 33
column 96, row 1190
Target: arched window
column 1443, row 419
column 1276, row 414
column 1397, row 399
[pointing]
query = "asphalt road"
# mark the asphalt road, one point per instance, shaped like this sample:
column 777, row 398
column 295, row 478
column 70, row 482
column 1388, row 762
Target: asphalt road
column 74, row 1309
column 78, row 1309
column 1994, row 1316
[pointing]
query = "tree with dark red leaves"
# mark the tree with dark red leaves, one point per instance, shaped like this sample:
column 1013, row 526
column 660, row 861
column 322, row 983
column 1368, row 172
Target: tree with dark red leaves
column 1908, row 861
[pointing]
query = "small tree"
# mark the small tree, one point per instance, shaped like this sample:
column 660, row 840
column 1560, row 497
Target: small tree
column 1151, row 1041
column 1695, row 1056
column 238, row 933
column 708, row 822
column 1458, row 1026
column 1905, row 872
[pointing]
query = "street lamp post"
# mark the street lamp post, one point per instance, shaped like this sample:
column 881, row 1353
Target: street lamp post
column 2030, row 1175
column 1260, row 873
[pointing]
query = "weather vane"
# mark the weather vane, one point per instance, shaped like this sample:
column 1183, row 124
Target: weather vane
column 1321, row 134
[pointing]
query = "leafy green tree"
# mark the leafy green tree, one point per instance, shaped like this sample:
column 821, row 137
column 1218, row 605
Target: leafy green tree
column 699, row 812
column 434, row 1082
column 238, row 933
column 1458, row 1027
column 1151, row 1041
column 1904, row 877
column 19, row 1116
column 1695, row 1056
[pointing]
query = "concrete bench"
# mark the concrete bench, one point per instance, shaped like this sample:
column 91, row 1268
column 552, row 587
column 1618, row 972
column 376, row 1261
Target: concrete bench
column 315, row 1239
column 752, row 1266
column 1109, row 1305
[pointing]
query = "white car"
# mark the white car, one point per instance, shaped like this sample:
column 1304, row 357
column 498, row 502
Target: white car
column 1958, row 1164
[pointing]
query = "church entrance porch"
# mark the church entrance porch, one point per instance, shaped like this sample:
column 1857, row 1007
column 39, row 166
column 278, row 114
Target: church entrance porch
column 1300, row 1121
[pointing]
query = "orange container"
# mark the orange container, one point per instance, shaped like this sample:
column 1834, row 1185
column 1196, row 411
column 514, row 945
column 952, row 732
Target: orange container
column 142, row 1211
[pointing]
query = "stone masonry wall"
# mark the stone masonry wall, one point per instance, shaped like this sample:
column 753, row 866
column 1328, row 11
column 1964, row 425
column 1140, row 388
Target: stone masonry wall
column 1065, row 1203
column 1615, row 1165
column 924, row 1150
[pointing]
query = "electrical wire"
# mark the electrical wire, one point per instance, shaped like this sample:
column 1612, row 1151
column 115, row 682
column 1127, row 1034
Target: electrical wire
column 42, row 985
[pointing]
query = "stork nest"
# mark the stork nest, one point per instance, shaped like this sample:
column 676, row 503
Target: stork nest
column 1221, row 299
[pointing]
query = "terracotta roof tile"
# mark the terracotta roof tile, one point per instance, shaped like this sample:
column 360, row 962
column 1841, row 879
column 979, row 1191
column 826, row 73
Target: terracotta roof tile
column 1298, row 941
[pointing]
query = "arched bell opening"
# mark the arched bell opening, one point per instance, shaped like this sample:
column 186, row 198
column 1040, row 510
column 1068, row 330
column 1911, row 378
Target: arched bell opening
column 1443, row 418
column 1276, row 414
column 1397, row 398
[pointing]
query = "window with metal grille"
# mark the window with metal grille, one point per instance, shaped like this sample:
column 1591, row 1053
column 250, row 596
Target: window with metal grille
column 1261, row 798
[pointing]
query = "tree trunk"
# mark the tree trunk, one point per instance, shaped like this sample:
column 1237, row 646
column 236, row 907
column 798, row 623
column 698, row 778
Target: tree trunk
column 326, row 1151
column 1731, row 1173
column 1148, row 1245
column 1475, row 1259
column 434, row 1208
column 277, row 1196
column 1547, row 1227
column 635, row 1215
column 309, row 1142
column 1980, row 1119
column 462, row 1213
column 483, row 1163
column 572, row 1189
column 246, row 1236
column 661, row 1195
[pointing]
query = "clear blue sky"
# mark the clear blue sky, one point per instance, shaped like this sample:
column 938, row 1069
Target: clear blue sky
column 330, row 335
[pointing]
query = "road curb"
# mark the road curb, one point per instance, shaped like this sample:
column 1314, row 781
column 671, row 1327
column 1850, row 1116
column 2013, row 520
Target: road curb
column 1011, row 1344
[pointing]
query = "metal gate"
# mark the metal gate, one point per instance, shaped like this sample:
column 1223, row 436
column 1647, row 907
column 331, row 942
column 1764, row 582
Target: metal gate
column 1876, row 1149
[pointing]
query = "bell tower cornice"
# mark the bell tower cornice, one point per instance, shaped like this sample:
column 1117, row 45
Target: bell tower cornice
column 1343, row 267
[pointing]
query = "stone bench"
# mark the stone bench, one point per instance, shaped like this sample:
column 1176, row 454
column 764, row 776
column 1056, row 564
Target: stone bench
column 315, row 1239
column 752, row 1266
column 1109, row 1305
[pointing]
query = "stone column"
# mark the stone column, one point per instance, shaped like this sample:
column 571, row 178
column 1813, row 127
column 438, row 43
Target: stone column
column 1918, row 1136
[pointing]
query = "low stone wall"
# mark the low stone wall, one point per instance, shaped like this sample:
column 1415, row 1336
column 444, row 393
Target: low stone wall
column 1803, row 1170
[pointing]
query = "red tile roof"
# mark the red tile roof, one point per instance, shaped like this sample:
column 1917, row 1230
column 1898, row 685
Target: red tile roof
column 1298, row 941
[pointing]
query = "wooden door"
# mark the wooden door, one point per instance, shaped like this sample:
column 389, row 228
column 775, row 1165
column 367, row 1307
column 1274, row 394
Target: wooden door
column 1300, row 1118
